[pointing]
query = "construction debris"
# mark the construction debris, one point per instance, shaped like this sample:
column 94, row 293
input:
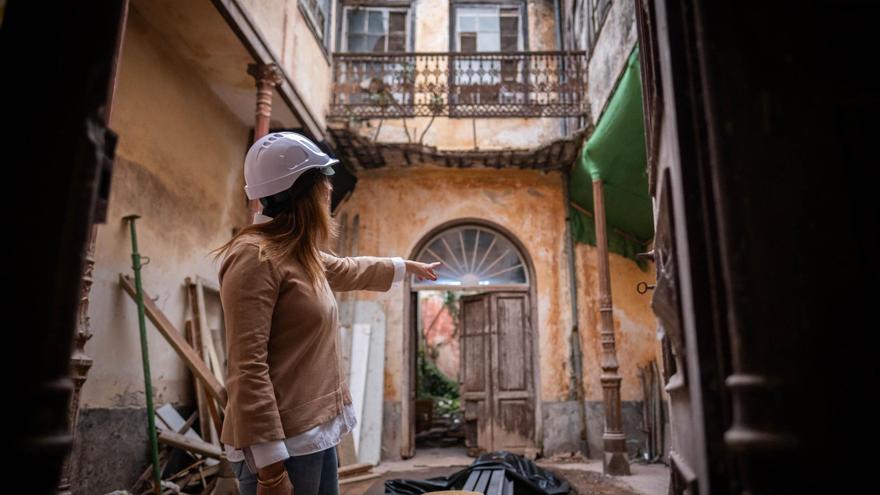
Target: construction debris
column 493, row 473
column 174, row 338
column 208, row 471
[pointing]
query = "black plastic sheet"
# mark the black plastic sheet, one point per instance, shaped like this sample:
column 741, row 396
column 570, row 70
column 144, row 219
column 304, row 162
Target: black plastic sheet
column 528, row 478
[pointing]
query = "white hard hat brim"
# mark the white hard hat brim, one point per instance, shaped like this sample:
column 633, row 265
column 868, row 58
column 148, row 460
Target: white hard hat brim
column 275, row 186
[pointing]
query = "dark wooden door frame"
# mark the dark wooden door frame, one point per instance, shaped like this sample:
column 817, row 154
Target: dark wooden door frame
column 60, row 61
column 410, row 312
column 768, row 130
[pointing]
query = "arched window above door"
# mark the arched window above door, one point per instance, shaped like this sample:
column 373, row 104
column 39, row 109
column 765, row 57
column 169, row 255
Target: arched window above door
column 473, row 256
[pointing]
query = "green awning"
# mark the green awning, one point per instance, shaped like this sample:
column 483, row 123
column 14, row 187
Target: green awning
column 615, row 153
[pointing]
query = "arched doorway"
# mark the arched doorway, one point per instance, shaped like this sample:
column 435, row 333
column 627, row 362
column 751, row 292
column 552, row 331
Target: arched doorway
column 487, row 276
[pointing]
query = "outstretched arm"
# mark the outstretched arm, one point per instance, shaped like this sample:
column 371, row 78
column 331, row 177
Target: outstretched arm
column 372, row 272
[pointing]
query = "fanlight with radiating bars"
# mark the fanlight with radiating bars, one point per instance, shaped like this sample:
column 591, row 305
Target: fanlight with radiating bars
column 473, row 257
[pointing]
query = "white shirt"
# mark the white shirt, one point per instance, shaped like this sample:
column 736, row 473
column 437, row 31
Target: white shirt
column 321, row 437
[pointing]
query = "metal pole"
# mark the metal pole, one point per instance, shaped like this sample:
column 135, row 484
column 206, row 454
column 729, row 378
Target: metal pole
column 577, row 357
column 615, row 460
column 145, row 355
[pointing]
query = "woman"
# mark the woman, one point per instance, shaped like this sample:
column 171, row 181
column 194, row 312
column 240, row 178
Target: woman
column 288, row 401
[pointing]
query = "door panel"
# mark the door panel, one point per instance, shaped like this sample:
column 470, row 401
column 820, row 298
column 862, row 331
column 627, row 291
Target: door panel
column 497, row 371
column 475, row 327
column 512, row 373
column 512, row 343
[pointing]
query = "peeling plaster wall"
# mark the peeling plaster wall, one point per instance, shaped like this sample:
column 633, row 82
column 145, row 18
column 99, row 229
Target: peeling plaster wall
column 397, row 208
column 526, row 202
column 178, row 166
column 635, row 337
column 616, row 41
column 286, row 31
column 634, row 323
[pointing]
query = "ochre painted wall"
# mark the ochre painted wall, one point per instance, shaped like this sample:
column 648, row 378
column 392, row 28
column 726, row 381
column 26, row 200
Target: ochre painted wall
column 635, row 326
column 178, row 166
column 286, row 31
column 398, row 207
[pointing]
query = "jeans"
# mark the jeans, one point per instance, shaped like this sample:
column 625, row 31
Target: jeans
column 310, row 474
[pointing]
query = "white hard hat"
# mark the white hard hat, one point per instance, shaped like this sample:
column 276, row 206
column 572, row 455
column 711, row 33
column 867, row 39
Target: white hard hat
column 277, row 159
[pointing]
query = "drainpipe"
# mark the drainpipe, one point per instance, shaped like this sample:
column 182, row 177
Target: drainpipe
column 576, row 377
column 557, row 11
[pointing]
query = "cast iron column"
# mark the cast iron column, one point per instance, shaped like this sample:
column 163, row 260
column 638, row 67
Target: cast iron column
column 267, row 77
column 615, row 460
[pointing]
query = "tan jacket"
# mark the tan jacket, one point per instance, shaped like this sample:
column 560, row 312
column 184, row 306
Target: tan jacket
column 283, row 363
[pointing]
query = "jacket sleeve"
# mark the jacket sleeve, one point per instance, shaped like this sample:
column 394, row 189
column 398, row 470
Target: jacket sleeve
column 360, row 272
column 248, row 291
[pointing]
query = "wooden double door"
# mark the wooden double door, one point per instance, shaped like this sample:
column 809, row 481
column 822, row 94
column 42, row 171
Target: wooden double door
column 497, row 371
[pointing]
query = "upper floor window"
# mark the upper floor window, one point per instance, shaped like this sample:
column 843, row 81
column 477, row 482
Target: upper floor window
column 317, row 15
column 375, row 29
column 488, row 28
column 496, row 78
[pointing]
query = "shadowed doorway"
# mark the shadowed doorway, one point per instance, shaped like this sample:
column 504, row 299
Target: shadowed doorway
column 471, row 352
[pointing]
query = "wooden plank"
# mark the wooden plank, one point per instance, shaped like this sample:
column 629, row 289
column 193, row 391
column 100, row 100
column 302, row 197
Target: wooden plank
column 208, row 285
column 215, row 417
column 205, row 345
column 175, row 423
column 353, row 469
column 171, row 420
column 355, row 479
column 201, row 397
column 370, row 447
column 195, row 446
column 207, row 338
column 173, row 337
column 360, row 350
column 345, row 450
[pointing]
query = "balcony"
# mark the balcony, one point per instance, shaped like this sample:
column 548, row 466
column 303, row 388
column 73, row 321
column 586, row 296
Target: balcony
column 482, row 84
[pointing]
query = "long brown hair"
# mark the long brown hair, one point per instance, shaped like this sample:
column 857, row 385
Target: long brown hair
column 299, row 230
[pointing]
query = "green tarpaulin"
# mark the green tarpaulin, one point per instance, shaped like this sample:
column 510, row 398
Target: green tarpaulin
column 615, row 153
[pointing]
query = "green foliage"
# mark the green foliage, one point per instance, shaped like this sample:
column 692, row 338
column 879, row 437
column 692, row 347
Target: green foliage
column 432, row 382
column 450, row 301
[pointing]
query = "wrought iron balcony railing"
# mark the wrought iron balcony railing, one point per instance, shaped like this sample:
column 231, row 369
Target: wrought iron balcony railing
column 484, row 84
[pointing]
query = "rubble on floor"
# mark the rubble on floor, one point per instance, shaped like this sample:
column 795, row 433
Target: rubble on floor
column 493, row 473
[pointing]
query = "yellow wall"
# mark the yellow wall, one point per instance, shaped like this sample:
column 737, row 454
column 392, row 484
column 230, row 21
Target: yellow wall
column 178, row 166
column 635, row 326
column 398, row 207
column 286, row 31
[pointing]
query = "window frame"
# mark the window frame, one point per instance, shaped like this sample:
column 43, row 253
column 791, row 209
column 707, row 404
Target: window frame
column 407, row 110
column 513, row 246
column 458, row 109
column 343, row 37
column 522, row 5
column 322, row 37
column 342, row 42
